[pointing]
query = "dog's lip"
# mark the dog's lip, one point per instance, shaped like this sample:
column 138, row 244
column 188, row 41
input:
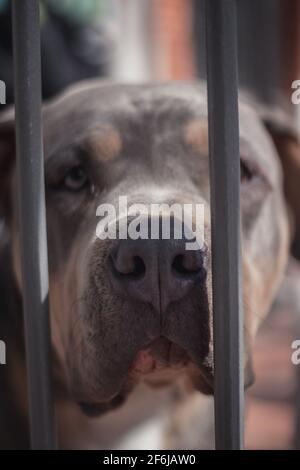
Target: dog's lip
column 94, row 409
column 150, row 358
column 202, row 377
column 157, row 363
column 207, row 384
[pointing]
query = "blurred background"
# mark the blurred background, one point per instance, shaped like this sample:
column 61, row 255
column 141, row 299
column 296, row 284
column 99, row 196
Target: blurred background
column 145, row 40
column 141, row 40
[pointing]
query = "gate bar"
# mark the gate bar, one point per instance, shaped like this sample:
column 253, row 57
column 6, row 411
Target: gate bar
column 222, row 82
column 32, row 219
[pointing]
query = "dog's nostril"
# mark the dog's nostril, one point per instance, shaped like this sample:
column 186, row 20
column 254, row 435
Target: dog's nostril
column 133, row 267
column 187, row 264
column 139, row 267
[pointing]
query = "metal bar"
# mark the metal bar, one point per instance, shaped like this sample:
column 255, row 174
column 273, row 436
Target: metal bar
column 225, row 180
column 32, row 219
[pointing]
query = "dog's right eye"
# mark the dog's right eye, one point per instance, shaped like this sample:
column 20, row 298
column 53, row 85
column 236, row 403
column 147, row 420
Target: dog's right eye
column 75, row 179
column 247, row 173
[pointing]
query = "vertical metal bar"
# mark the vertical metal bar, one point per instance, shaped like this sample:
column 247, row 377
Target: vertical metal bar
column 32, row 219
column 225, row 180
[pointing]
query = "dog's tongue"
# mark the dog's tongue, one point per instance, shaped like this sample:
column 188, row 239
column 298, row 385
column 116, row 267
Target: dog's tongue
column 159, row 354
column 154, row 356
column 143, row 363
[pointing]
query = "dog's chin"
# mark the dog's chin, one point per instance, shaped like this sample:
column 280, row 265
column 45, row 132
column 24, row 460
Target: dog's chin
column 160, row 364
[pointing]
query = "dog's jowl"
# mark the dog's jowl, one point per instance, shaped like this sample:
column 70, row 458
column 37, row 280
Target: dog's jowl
column 131, row 317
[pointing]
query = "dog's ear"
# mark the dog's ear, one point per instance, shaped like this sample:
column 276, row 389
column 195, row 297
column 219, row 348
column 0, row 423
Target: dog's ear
column 286, row 138
column 7, row 159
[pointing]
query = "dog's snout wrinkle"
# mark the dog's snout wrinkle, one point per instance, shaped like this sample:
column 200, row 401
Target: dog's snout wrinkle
column 158, row 272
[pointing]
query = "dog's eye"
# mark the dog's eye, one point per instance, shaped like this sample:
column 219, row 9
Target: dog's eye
column 75, row 179
column 247, row 174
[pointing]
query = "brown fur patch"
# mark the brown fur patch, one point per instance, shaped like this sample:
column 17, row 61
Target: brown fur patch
column 106, row 144
column 196, row 135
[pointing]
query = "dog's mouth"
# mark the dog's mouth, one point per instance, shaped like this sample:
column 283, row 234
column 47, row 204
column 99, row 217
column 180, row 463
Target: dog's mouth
column 163, row 361
column 160, row 354
column 159, row 364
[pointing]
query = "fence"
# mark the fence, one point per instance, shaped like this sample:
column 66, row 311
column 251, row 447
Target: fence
column 225, row 178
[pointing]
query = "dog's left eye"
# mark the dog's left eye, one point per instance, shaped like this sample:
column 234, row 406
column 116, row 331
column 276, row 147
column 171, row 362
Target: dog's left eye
column 75, row 179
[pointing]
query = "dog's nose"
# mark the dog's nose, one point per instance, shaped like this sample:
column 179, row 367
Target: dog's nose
column 156, row 271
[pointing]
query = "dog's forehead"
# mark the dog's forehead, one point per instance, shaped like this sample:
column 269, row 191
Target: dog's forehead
column 166, row 109
column 83, row 107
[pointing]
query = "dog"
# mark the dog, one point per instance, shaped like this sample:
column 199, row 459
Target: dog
column 131, row 320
